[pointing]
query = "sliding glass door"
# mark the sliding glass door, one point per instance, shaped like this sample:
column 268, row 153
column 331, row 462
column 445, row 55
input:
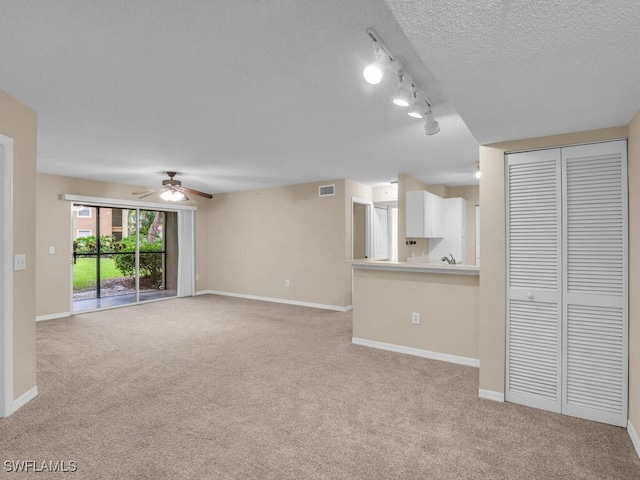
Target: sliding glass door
column 122, row 256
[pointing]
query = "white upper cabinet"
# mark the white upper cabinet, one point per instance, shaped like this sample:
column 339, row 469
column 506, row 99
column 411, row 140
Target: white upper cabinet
column 453, row 241
column 424, row 215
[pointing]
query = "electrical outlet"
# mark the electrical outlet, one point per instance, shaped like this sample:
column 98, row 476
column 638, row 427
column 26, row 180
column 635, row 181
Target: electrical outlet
column 286, row 283
column 20, row 261
column 415, row 318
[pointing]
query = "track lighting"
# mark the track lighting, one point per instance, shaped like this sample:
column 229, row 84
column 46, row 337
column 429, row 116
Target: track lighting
column 408, row 94
column 416, row 110
column 404, row 93
column 419, row 106
column 478, row 174
column 374, row 72
column 431, row 126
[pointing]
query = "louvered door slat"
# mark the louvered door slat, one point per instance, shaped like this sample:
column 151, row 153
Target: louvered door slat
column 595, row 290
column 533, row 266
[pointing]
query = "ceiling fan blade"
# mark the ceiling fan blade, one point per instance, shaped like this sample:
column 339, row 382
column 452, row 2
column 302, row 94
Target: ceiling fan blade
column 196, row 192
column 151, row 190
column 147, row 194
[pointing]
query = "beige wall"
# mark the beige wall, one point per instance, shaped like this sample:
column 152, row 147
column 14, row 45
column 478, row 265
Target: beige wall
column 19, row 122
column 383, row 302
column 257, row 239
column 634, row 270
column 491, row 320
column 53, row 220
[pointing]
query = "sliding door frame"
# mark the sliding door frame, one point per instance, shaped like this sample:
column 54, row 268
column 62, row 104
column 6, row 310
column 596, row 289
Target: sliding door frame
column 123, row 204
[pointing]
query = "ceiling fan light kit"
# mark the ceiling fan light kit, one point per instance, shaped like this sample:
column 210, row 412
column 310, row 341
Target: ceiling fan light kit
column 408, row 94
column 172, row 190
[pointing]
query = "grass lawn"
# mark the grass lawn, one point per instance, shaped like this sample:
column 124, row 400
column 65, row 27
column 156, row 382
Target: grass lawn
column 84, row 272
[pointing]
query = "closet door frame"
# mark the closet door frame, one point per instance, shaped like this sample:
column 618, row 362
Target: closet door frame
column 562, row 406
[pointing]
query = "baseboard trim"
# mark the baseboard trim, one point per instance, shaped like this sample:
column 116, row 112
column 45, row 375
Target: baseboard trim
column 491, row 395
column 443, row 357
column 25, row 398
column 634, row 437
column 52, row 316
column 275, row 300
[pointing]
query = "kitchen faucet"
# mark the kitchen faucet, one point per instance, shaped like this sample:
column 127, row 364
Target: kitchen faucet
column 451, row 261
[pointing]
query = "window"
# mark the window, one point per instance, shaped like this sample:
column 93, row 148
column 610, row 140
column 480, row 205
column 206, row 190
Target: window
column 84, row 212
column 83, row 233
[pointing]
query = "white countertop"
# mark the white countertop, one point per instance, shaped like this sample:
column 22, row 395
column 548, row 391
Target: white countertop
column 416, row 267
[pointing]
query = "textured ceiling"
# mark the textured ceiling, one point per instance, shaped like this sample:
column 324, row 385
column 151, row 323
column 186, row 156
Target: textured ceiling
column 521, row 68
column 232, row 94
column 255, row 93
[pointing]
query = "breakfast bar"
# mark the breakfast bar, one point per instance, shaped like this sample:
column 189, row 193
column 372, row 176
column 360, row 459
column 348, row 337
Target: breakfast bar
column 423, row 309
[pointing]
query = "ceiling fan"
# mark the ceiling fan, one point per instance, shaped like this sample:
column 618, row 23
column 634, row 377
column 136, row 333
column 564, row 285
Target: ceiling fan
column 172, row 190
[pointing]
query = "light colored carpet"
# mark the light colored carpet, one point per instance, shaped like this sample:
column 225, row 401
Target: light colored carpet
column 223, row 388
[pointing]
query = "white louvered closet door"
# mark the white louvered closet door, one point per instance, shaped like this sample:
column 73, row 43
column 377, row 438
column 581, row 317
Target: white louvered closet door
column 595, row 288
column 534, row 266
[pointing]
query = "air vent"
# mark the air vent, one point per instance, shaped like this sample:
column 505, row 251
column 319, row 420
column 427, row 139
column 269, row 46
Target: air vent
column 326, row 190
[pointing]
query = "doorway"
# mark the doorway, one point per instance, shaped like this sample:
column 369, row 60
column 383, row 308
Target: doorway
column 360, row 229
column 122, row 256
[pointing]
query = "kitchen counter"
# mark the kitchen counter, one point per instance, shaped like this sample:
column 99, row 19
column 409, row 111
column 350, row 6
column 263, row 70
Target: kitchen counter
column 416, row 267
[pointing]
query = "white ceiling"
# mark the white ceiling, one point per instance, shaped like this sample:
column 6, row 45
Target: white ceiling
column 255, row 93
column 521, row 69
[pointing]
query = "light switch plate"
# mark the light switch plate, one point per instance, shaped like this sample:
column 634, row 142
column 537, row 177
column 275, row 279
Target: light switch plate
column 20, row 261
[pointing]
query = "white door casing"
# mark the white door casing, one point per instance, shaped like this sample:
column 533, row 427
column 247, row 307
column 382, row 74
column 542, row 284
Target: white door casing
column 368, row 222
column 6, row 277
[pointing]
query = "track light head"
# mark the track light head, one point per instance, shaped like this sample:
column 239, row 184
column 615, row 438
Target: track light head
column 404, row 94
column 431, row 126
column 419, row 105
column 415, row 111
column 374, row 72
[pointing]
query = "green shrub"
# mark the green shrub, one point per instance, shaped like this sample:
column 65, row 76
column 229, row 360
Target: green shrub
column 90, row 244
column 150, row 263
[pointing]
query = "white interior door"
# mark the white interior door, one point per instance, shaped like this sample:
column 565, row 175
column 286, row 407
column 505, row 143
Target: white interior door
column 595, row 288
column 534, row 279
column 381, row 234
column 567, row 281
